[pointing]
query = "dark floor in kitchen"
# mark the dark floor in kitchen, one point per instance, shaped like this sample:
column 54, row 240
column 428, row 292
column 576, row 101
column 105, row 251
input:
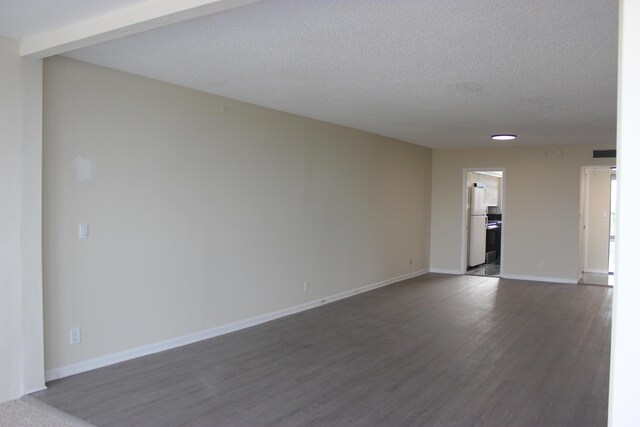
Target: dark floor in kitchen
column 488, row 269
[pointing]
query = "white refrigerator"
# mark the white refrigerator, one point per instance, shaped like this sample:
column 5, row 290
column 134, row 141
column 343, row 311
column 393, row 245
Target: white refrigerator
column 477, row 225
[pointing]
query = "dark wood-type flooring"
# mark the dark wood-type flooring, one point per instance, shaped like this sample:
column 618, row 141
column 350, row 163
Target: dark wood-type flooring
column 437, row 350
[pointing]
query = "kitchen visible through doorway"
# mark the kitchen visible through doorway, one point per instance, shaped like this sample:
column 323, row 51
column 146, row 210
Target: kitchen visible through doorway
column 484, row 219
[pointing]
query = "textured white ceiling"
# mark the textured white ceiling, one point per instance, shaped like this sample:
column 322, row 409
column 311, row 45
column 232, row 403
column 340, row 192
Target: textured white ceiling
column 25, row 18
column 432, row 72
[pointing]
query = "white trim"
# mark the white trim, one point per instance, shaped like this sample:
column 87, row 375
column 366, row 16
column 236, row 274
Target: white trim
column 464, row 252
column 597, row 271
column 99, row 362
column 33, row 390
column 585, row 217
column 581, row 220
column 446, row 271
column 540, row 279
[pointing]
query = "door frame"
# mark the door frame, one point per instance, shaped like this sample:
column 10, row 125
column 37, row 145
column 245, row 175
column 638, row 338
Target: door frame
column 465, row 220
column 586, row 170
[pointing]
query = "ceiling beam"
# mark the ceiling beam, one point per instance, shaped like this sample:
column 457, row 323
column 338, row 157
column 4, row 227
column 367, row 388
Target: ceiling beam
column 119, row 23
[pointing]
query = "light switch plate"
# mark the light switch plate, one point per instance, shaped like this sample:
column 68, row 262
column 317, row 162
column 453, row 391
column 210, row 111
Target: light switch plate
column 83, row 231
column 74, row 336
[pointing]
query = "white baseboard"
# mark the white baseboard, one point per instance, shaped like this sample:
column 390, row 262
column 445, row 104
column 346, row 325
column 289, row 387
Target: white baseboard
column 540, row 278
column 145, row 350
column 35, row 389
column 511, row 276
column 597, row 271
column 445, row 271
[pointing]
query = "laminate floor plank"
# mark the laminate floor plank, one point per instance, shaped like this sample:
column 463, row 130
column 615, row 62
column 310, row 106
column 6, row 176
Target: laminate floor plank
column 437, row 350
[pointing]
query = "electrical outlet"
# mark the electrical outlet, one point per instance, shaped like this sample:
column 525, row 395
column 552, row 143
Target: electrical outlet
column 305, row 286
column 74, row 336
column 541, row 265
column 410, row 261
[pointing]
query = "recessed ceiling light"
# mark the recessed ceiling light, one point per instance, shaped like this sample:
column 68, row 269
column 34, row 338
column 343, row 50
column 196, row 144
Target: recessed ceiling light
column 503, row 136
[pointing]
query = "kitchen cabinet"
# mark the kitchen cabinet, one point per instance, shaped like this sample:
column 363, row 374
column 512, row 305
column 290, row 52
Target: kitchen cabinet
column 493, row 242
column 493, row 186
column 493, row 190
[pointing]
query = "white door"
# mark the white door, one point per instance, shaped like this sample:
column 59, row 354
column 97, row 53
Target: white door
column 597, row 220
column 477, row 239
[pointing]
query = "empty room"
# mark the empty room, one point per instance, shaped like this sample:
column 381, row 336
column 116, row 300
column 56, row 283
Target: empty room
column 319, row 213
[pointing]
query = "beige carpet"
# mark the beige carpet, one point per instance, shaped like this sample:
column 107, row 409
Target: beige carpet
column 29, row 412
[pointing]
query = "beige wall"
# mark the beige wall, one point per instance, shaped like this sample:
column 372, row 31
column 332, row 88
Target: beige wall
column 21, row 330
column 598, row 188
column 204, row 211
column 541, row 207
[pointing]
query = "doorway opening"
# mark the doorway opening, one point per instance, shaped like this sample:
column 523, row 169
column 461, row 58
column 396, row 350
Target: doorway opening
column 598, row 228
column 483, row 219
column 612, row 221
